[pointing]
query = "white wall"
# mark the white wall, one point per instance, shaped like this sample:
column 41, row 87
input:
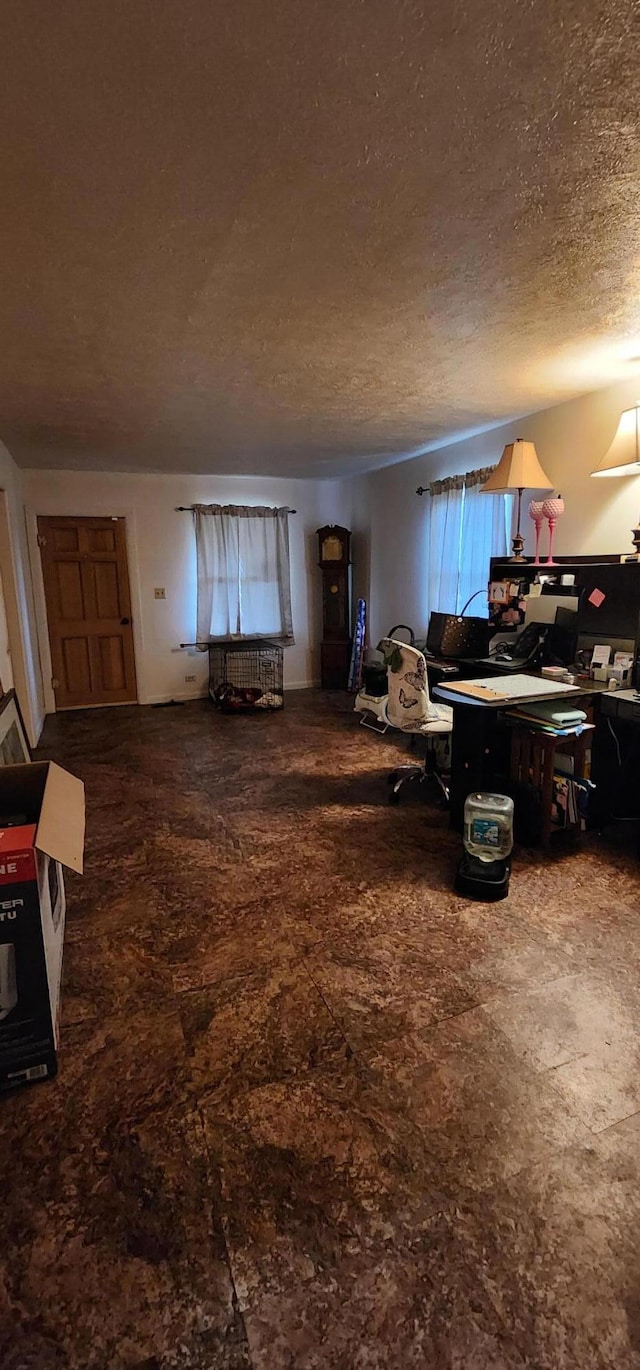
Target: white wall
column 570, row 440
column 18, row 596
column 387, row 518
column 162, row 553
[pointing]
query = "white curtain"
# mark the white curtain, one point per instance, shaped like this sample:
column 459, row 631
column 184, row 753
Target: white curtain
column 243, row 566
column 466, row 528
column 486, row 520
column 445, row 529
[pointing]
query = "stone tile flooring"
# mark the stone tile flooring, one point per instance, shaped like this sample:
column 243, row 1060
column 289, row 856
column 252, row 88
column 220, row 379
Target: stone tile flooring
column 313, row 1109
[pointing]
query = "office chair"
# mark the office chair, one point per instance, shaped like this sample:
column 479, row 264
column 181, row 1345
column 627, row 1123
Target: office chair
column 410, row 709
column 371, row 699
column 371, row 708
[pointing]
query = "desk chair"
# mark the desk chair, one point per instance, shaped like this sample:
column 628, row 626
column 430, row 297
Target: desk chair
column 410, row 709
column 372, row 710
column 371, row 699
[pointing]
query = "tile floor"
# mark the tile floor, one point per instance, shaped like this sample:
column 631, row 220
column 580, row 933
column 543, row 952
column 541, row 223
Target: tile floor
column 313, row 1109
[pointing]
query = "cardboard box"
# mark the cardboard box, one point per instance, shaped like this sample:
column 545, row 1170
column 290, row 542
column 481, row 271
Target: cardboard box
column 41, row 830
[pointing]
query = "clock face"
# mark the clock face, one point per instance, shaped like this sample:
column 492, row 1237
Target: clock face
column 332, row 549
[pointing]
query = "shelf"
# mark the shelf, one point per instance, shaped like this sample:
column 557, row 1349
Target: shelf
column 559, row 563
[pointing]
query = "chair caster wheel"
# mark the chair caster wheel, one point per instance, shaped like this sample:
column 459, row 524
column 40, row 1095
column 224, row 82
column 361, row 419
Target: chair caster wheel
column 394, row 796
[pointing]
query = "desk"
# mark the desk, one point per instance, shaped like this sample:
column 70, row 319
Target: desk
column 471, row 666
column 477, row 749
column 438, row 671
column 615, row 757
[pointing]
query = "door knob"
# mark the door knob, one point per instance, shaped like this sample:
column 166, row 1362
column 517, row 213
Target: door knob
column 124, row 622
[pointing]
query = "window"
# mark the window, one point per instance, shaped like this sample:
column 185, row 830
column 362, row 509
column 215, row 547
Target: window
column 466, row 528
column 244, row 582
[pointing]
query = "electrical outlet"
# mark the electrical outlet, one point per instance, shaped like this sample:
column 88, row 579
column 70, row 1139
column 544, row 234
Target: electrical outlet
column 159, row 592
column 189, row 679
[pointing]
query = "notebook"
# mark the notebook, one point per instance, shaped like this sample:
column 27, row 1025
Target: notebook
column 556, row 713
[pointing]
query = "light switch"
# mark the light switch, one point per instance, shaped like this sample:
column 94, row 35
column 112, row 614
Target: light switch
column 159, row 592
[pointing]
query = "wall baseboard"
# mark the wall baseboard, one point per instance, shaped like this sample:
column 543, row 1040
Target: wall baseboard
column 182, row 696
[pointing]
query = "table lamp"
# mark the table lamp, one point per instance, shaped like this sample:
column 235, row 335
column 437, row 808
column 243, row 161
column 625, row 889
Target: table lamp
column 518, row 469
column 623, row 459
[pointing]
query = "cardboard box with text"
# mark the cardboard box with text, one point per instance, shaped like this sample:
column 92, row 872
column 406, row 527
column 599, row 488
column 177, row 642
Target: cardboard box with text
column 41, row 830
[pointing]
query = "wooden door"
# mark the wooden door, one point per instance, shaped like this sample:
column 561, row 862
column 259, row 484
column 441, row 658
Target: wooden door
column 86, row 582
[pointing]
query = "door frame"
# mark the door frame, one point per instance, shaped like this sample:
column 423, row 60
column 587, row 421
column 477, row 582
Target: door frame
column 42, row 622
column 26, row 680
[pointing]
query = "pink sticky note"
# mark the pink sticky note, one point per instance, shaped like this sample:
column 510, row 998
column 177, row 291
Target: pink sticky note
column 597, row 598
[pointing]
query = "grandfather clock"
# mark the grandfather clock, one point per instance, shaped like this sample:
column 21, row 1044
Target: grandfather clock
column 335, row 648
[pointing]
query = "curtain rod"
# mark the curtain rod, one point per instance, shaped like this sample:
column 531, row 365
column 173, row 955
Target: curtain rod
column 463, row 480
column 189, row 508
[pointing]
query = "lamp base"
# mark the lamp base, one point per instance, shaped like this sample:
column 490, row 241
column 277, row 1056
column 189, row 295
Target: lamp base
column 517, row 545
column 635, row 538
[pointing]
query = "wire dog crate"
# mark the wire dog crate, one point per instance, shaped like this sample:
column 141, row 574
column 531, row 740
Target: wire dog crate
column 246, row 676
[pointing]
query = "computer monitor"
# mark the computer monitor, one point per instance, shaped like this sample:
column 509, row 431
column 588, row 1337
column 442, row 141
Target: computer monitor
column 562, row 639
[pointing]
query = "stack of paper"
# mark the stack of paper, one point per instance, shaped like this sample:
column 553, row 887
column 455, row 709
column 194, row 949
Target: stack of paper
column 560, row 720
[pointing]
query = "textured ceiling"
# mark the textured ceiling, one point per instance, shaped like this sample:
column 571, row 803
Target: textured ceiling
column 307, row 236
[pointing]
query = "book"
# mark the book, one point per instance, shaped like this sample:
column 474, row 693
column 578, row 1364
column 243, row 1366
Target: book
column 546, row 726
column 549, row 711
column 570, row 800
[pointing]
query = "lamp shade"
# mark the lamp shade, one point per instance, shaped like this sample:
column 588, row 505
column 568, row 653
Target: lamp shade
column 623, row 456
column 518, row 469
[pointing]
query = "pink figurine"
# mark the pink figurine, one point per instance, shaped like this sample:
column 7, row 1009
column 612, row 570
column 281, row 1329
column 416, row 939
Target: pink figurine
column 536, row 513
column 552, row 510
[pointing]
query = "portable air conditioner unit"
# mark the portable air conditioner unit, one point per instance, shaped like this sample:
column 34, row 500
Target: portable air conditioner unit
column 8, row 985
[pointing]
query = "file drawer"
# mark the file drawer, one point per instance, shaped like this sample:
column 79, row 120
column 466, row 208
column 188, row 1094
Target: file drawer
column 622, row 705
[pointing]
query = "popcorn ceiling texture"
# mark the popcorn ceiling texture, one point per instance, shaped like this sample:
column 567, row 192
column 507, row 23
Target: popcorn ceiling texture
column 306, row 237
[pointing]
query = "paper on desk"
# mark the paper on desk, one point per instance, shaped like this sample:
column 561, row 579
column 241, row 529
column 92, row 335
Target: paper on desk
column 512, row 687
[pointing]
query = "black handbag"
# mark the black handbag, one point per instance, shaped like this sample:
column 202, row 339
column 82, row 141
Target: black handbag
column 451, row 635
